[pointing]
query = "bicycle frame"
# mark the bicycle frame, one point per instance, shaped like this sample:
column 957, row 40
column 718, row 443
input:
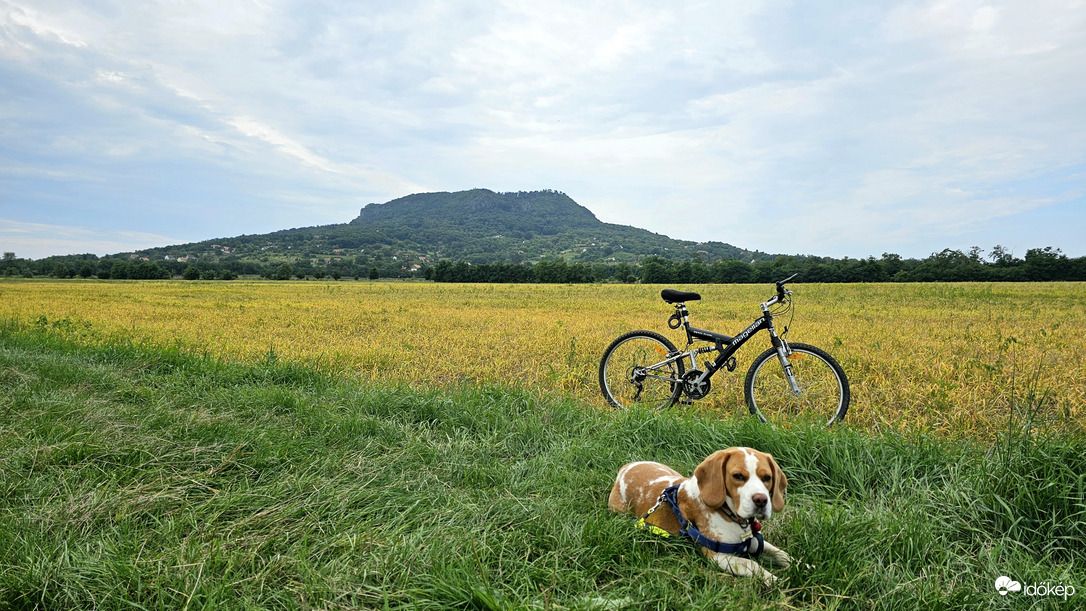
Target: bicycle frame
column 727, row 346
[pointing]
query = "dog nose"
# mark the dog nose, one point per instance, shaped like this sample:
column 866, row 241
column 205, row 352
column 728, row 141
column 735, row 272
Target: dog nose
column 760, row 500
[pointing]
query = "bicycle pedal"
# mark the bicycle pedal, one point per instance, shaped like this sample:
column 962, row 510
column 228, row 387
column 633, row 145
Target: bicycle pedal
column 686, row 401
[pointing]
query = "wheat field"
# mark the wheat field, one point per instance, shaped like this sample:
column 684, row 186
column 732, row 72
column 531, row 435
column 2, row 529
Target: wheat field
column 950, row 359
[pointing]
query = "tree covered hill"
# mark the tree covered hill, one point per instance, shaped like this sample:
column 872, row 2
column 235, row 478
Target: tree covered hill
column 477, row 226
column 538, row 236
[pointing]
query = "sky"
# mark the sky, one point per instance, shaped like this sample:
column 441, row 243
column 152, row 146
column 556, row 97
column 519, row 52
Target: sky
column 852, row 128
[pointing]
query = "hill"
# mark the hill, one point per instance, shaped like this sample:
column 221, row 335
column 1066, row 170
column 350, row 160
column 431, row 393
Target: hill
column 538, row 236
column 478, row 226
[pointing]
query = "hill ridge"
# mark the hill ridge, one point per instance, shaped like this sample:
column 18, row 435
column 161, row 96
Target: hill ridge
column 407, row 234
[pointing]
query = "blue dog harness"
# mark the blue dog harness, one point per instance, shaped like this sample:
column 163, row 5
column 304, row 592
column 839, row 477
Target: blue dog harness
column 752, row 544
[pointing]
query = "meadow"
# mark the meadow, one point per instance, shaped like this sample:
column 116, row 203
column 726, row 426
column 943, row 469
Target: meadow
column 950, row 359
column 304, row 445
column 139, row 478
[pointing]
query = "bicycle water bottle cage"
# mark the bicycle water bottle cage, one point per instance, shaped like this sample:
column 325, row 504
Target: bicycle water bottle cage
column 673, row 296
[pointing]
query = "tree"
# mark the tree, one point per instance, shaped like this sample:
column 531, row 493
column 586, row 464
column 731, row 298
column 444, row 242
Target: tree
column 62, row 270
column 891, row 262
column 191, row 273
column 119, row 270
column 624, row 273
column 1001, row 257
column 1046, row 264
column 655, row 270
column 284, row 272
column 731, row 271
column 375, row 274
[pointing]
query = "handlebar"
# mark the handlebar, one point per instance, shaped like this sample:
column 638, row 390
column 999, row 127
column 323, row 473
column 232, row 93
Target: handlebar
column 781, row 295
column 780, row 286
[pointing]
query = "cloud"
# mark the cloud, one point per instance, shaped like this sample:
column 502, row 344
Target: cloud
column 843, row 130
column 38, row 240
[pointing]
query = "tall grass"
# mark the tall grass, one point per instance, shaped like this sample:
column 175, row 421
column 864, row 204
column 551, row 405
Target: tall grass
column 137, row 478
column 940, row 357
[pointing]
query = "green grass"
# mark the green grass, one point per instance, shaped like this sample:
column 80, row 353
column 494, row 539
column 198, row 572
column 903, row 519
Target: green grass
column 139, row 478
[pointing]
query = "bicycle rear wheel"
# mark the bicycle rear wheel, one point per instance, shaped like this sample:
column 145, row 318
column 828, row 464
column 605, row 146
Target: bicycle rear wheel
column 823, row 387
column 635, row 370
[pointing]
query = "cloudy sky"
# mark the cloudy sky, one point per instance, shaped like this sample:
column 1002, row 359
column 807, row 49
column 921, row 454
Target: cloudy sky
column 792, row 127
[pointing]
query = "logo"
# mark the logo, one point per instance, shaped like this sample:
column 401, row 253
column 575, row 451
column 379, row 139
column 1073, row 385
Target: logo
column 1005, row 584
column 1046, row 588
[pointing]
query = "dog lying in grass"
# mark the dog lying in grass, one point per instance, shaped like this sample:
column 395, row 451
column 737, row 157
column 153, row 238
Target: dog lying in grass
column 718, row 507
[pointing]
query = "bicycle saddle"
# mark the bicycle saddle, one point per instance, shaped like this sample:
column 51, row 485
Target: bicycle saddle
column 673, row 296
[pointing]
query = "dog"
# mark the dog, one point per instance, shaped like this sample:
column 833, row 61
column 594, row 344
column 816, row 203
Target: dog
column 722, row 501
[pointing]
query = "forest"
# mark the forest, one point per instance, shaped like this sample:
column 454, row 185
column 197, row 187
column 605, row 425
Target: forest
column 1039, row 264
column 976, row 265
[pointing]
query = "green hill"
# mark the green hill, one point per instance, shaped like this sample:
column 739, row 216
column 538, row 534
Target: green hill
column 477, row 226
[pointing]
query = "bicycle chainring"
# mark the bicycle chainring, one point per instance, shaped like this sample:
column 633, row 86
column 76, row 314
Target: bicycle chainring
column 694, row 389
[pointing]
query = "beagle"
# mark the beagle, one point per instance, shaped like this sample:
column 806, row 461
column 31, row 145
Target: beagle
column 729, row 490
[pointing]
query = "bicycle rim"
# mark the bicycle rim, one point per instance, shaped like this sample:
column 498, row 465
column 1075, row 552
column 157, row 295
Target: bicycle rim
column 632, row 373
column 823, row 396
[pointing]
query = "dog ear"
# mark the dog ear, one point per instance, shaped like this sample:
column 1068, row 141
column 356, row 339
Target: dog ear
column 710, row 475
column 780, row 482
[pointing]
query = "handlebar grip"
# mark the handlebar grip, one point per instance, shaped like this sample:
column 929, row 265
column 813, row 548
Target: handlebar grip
column 781, row 283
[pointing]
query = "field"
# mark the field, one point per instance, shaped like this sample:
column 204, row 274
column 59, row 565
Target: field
column 952, row 359
column 410, row 446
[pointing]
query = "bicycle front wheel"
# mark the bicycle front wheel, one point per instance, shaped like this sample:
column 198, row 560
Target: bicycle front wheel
column 823, row 393
column 636, row 370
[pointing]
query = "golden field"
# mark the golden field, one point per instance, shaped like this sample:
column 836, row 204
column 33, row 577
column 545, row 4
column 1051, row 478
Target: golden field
column 954, row 359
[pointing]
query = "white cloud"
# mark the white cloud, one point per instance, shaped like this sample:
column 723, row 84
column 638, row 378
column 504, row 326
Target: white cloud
column 851, row 126
column 38, row 240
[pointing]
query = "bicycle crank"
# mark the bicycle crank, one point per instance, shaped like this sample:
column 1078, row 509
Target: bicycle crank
column 692, row 387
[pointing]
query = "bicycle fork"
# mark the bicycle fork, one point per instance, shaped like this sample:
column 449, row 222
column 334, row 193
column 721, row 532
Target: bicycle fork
column 783, row 352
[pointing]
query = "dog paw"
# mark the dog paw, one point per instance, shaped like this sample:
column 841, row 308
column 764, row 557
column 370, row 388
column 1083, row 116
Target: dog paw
column 781, row 559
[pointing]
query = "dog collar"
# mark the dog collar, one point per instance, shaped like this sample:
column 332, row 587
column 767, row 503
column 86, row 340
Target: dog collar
column 745, row 523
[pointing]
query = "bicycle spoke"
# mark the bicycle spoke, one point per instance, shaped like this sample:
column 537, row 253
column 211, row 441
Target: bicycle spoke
column 632, row 372
column 823, row 392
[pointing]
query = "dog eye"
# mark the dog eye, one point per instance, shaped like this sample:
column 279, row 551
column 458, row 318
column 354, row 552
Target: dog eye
column 766, row 478
column 739, row 476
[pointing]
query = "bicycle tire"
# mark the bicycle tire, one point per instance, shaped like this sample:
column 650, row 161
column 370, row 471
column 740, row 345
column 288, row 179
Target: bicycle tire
column 824, row 389
column 623, row 384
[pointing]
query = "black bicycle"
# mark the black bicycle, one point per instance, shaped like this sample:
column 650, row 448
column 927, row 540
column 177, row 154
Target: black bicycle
column 788, row 382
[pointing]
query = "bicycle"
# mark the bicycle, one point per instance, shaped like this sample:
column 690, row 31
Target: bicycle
column 644, row 367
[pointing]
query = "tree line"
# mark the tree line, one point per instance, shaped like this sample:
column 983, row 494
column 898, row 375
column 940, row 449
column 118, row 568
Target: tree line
column 998, row 265
column 1039, row 264
column 126, row 268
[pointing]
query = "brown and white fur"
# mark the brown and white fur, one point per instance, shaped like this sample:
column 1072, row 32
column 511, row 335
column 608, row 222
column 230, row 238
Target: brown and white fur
column 746, row 481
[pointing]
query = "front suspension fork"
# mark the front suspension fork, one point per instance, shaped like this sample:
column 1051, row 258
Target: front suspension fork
column 783, row 351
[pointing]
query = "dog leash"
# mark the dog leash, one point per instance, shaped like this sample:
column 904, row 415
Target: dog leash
column 752, row 544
